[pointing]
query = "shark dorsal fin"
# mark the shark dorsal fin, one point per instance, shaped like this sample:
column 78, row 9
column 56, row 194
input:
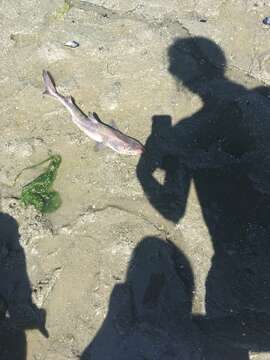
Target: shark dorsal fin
column 93, row 118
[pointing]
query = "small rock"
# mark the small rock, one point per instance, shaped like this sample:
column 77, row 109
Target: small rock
column 266, row 20
column 72, row 44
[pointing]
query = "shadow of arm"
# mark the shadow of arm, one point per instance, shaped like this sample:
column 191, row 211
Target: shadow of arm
column 169, row 198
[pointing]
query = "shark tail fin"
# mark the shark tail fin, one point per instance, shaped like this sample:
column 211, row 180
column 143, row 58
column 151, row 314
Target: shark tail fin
column 50, row 88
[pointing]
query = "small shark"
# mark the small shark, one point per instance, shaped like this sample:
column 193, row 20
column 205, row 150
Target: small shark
column 102, row 133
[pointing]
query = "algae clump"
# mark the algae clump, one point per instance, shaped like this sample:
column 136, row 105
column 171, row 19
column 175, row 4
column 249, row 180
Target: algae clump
column 39, row 192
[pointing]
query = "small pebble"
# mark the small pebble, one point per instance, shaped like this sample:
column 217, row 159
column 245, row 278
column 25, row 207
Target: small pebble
column 72, row 43
column 266, row 20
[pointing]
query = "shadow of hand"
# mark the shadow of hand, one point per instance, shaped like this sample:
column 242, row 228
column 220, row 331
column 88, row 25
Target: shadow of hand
column 169, row 197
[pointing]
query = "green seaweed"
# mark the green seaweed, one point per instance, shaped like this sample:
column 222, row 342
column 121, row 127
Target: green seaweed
column 39, row 192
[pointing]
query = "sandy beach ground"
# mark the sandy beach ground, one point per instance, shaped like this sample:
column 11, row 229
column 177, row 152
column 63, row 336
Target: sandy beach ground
column 160, row 257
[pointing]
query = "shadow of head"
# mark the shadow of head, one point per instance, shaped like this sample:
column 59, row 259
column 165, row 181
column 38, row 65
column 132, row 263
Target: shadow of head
column 161, row 280
column 195, row 59
column 149, row 311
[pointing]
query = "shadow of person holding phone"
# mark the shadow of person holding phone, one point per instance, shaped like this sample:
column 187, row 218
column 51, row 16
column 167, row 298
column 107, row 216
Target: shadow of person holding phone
column 224, row 149
column 17, row 311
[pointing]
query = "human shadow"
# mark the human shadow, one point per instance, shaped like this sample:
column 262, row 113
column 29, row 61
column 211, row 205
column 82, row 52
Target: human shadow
column 149, row 314
column 17, row 311
column 224, row 149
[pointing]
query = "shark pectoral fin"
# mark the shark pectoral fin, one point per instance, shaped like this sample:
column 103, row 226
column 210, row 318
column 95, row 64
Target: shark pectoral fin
column 99, row 146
